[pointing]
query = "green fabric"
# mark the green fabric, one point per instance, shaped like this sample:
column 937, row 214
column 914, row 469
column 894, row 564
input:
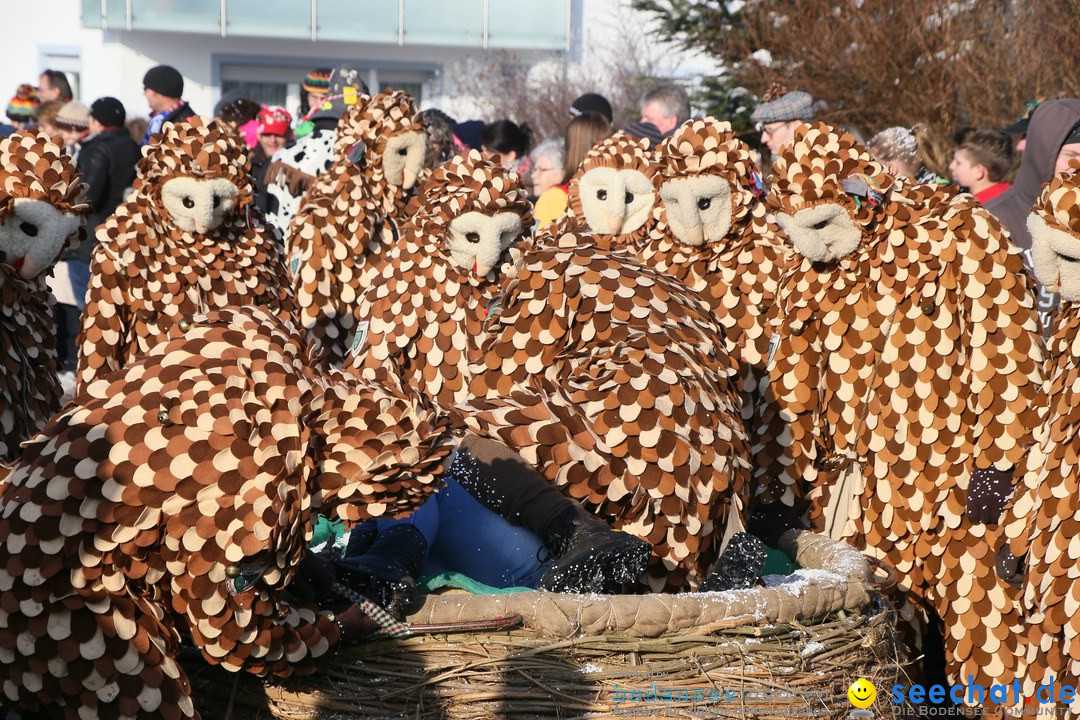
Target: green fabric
column 458, row 581
column 327, row 531
column 778, row 563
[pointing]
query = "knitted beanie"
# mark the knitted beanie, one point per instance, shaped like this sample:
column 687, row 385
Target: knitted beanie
column 317, row 81
column 22, row 107
column 73, row 116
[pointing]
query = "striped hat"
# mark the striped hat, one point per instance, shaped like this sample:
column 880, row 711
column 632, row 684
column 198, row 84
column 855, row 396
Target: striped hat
column 317, row 81
column 25, row 103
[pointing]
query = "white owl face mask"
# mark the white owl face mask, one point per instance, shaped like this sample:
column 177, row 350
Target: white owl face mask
column 477, row 241
column 32, row 236
column 1055, row 257
column 822, row 233
column 198, row 206
column 403, row 158
column 615, row 202
column 698, row 208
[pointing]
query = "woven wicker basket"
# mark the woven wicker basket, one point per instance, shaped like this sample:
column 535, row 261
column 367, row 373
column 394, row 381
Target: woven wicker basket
column 788, row 650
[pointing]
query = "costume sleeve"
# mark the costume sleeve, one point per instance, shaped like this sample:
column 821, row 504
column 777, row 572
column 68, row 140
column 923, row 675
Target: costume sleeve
column 783, row 426
column 105, row 320
column 1001, row 331
column 253, row 629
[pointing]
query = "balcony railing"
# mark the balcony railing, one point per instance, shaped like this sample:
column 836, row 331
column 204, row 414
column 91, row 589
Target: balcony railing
column 539, row 24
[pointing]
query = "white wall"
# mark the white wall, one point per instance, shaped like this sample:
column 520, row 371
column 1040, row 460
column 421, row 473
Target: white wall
column 113, row 62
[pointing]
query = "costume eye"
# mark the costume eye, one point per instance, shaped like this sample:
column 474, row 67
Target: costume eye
column 601, row 194
column 821, row 225
column 403, row 152
column 29, row 229
column 704, row 203
column 217, row 201
column 629, row 198
column 472, row 237
column 188, row 202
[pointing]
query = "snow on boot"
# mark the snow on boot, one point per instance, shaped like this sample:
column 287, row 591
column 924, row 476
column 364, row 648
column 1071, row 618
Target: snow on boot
column 739, row 567
column 589, row 557
column 386, row 573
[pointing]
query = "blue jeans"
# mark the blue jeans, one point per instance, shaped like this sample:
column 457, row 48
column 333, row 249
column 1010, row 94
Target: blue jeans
column 464, row 536
column 79, row 272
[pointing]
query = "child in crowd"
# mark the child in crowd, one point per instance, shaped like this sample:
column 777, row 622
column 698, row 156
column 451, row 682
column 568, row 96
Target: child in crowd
column 981, row 162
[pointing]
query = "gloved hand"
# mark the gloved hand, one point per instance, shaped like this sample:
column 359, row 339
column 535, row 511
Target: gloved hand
column 1009, row 567
column 314, row 578
column 354, row 624
column 987, row 494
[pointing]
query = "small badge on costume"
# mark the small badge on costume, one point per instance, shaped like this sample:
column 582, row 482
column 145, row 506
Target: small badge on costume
column 774, row 342
column 349, row 95
column 294, row 263
column 360, row 337
column 757, row 185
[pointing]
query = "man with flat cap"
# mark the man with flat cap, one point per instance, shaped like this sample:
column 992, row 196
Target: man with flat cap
column 780, row 112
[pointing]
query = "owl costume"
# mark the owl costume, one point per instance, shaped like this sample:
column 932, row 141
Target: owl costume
column 174, row 497
column 41, row 209
column 908, row 363
column 349, row 218
column 425, row 314
column 184, row 243
column 613, row 381
column 612, row 195
column 1043, row 522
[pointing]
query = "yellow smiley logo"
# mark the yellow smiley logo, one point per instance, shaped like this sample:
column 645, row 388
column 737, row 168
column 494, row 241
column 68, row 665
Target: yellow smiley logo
column 862, row 693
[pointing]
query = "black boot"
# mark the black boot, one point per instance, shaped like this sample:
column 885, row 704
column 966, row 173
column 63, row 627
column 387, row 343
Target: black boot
column 386, row 573
column 739, row 567
column 587, row 555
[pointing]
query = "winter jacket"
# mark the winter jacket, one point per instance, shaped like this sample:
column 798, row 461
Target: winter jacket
column 107, row 162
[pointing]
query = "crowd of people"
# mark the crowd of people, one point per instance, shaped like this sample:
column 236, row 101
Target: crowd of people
column 623, row 360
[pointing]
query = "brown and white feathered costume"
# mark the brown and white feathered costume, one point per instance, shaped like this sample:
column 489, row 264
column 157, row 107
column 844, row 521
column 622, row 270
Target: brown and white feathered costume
column 1044, row 521
column 612, row 379
column 348, row 220
column 175, row 497
column 425, row 315
column 41, row 209
column 612, row 195
column 714, row 233
column 185, row 243
column 909, row 363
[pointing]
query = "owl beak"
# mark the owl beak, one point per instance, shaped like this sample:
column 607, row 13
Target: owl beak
column 408, row 179
column 694, row 234
column 613, row 225
column 481, row 270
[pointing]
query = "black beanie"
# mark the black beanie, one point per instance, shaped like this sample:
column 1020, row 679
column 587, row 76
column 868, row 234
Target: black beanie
column 164, row 80
column 108, row 111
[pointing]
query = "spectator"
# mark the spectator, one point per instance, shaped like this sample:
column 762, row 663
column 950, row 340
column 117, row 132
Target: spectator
column 981, row 161
column 779, row 114
column 241, row 115
column 107, row 161
column 21, row 108
column 45, row 117
column 548, row 159
column 547, row 167
column 440, row 137
column 1053, row 139
column 582, row 133
column 510, row 142
column 900, row 149
column 54, row 85
column 313, row 90
column 73, row 122
column 273, row 127
column 665, row 107
column 591, row 102
column 163, row 87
